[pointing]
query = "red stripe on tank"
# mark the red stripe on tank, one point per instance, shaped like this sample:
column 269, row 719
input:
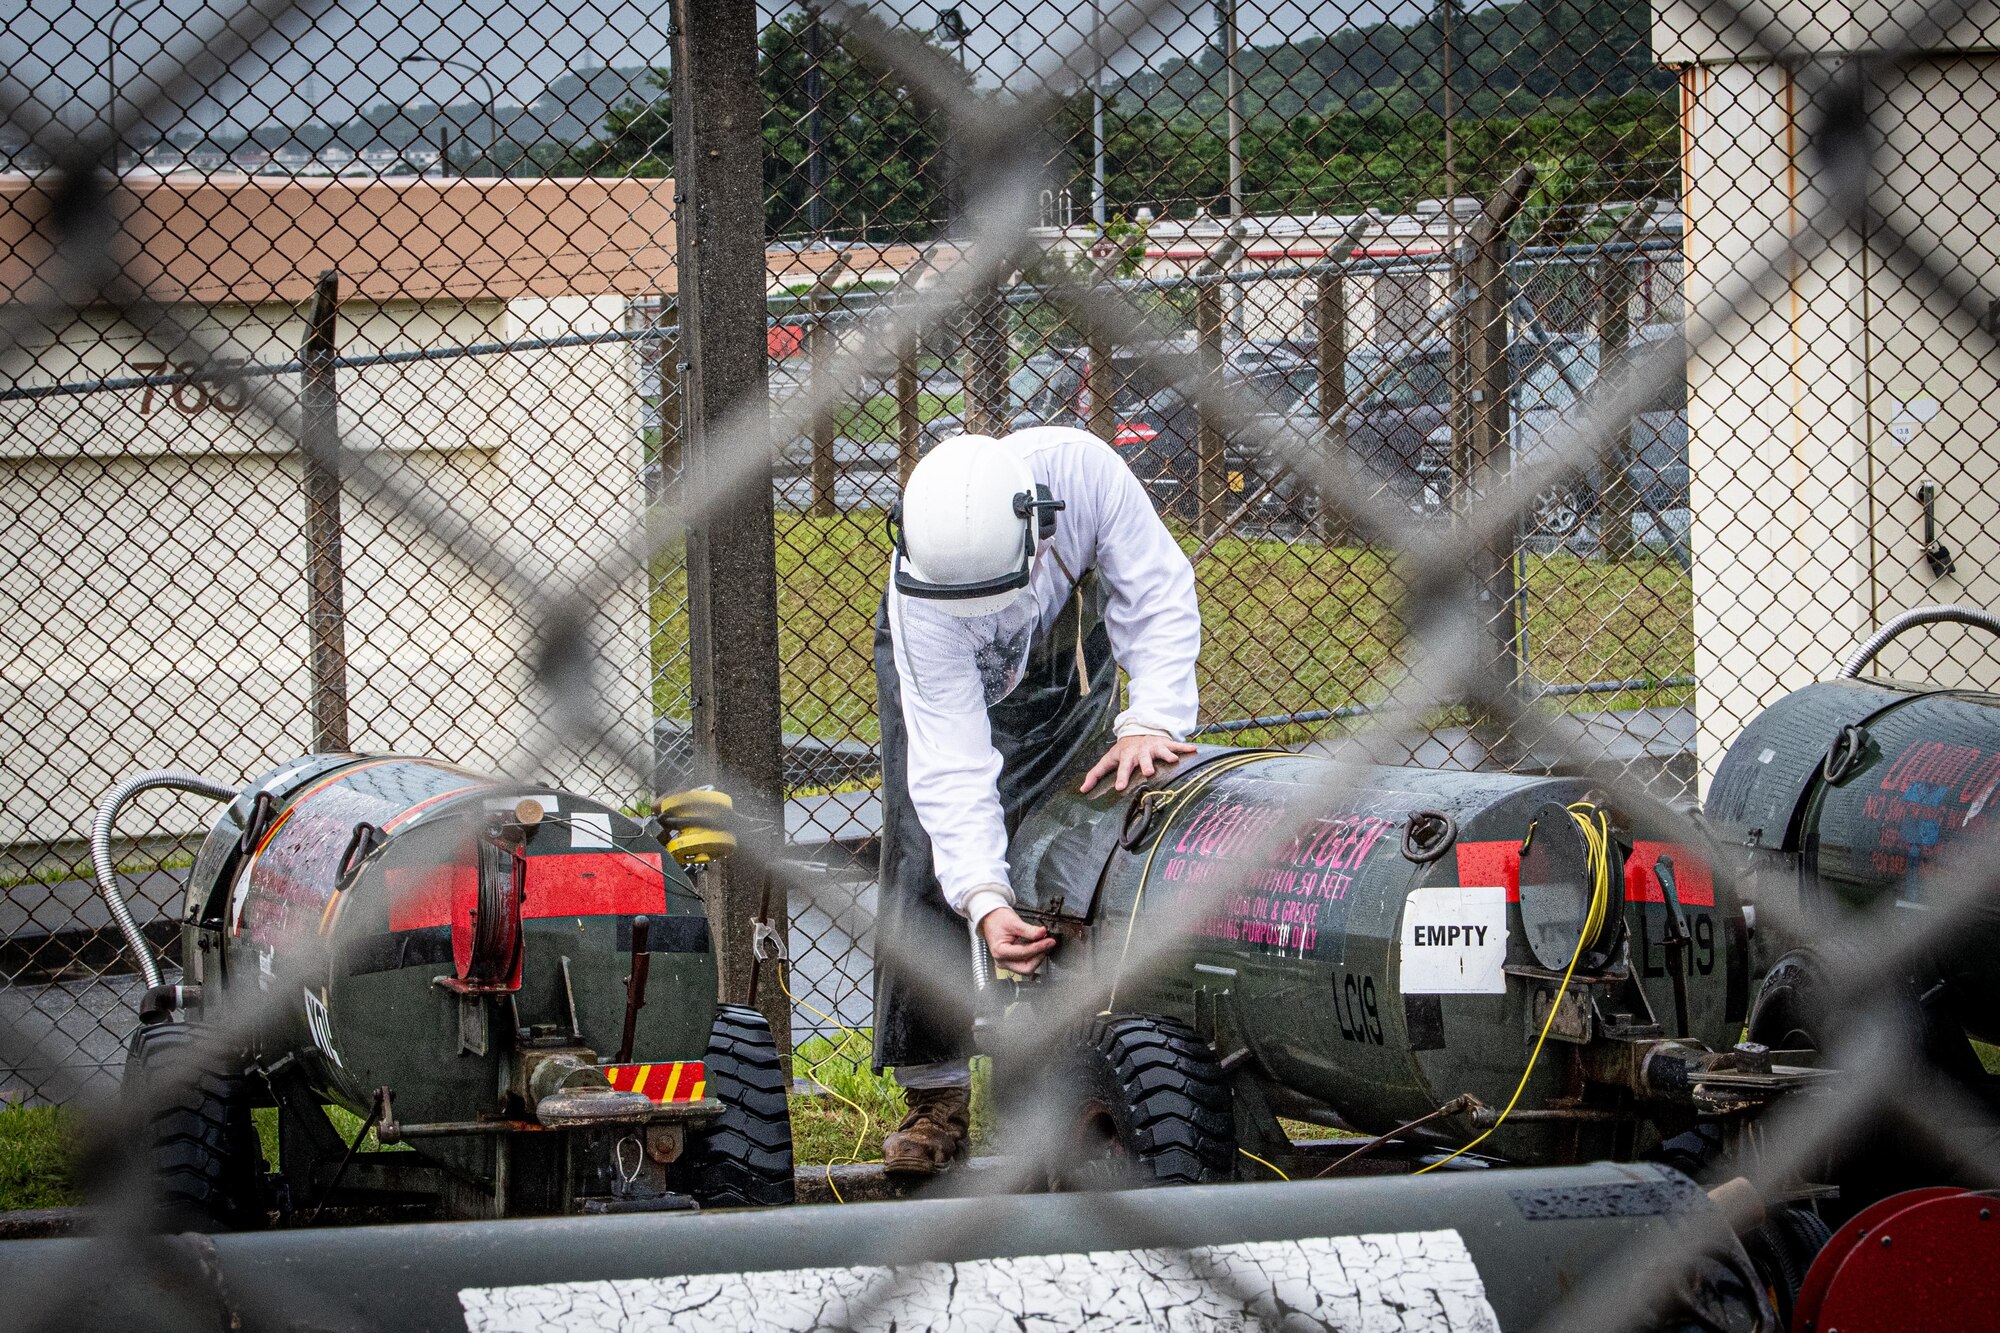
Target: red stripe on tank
column 595, row 884
column 1490, row 863
column 1694, row 883
column 421, row 896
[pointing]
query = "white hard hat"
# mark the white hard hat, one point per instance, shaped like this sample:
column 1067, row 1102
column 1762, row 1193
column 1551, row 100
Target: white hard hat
column 968, row 526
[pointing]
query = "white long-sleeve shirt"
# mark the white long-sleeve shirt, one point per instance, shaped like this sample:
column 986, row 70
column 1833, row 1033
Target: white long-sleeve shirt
column 1108, row 525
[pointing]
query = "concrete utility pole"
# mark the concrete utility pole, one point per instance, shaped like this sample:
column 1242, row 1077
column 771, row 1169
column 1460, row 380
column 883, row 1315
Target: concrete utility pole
column 731, row 555
column 1481, row 431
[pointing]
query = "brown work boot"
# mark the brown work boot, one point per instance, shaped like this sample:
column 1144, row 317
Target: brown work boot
column 933, row 1135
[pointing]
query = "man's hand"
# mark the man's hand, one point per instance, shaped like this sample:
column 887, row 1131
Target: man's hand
column 1015, row 945
column 1140, row 752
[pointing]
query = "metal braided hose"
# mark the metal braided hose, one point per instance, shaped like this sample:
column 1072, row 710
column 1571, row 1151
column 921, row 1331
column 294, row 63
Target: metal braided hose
column 100, row 850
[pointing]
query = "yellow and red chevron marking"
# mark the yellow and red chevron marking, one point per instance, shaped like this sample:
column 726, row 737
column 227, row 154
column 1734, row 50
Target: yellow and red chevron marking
column 680, row 1081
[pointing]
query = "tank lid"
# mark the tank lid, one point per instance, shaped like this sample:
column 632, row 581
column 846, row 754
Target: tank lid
column 1766, row 775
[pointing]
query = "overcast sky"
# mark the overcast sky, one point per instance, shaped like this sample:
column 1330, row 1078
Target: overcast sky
column 330, row 61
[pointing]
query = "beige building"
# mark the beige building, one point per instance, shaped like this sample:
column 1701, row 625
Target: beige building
column 1397, row 267
column 152, row 565
column 1814, row 421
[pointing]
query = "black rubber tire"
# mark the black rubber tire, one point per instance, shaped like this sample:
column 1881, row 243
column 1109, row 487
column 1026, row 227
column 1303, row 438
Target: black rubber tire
column 1782, row 1251
column 1147, row 1105
column 196, row 1136
column 744, row 1159
column 1791, row 1009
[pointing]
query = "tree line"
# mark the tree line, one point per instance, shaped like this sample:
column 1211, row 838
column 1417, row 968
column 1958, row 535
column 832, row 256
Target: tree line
column 1334, row 124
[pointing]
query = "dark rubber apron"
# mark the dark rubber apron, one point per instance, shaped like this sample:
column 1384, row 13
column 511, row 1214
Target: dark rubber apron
column 1043, row 731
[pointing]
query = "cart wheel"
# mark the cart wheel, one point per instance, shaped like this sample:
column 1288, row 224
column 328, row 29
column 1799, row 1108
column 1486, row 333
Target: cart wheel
column 200, row 1146
column 744, row 1160
column 1782, row 1251
column 1145, row 1104
column 1790, row 1010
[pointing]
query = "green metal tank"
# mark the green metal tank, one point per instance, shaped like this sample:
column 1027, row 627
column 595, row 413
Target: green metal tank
column 1854, row 790
column 515, row 981
column 1378, row 943
column 1848, row 798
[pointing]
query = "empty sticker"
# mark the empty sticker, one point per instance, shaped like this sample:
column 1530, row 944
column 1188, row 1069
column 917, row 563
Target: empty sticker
column 1409, row 1282
column 1455, row 941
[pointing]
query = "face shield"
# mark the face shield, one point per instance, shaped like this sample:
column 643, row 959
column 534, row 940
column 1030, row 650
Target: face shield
column 963, row 664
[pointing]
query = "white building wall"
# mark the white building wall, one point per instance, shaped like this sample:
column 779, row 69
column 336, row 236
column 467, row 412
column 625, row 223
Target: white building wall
column 153, row 607
column 1805, row 532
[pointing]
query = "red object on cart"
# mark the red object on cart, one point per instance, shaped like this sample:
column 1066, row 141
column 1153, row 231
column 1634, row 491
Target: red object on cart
column 1926, row 1259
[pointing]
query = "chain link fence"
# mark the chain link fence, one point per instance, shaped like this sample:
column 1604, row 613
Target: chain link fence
column 1535, row 386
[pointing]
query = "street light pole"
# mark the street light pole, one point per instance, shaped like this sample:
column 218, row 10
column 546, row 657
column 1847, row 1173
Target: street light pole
column 123, row 11
column 816, row 210
column 1225, row 11
column 490, row 107
column 1097, row 205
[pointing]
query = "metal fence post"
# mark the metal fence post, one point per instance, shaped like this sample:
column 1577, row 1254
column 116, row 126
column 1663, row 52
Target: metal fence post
column 731, row 548
column 319, row 436
column 1618, row 517
column 909, row 419
column 1099, row 382
column 1211, row 485
column 821, row 302
column 987, row 351
column 1097, row 389
column 819, row 349
column 1481, row 428
column 1330, row 303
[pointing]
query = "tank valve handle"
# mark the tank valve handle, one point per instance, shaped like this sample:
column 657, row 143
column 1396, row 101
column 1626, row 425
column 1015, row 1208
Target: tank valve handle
column 635, row 985
column 1677, row 943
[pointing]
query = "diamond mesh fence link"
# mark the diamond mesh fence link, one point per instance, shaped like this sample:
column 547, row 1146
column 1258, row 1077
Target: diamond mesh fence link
column 1535, row 387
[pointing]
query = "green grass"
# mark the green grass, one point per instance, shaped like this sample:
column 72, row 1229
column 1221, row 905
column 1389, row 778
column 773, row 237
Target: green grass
column 37, row 1158
column 1287, row 627
column 48, row 871
column 874, row 420
column 846, row 1122
column 345, row 1124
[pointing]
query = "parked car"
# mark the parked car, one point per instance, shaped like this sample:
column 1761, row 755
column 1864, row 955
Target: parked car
column 1399, row 436
column 1153, row 422
column 1551, row 374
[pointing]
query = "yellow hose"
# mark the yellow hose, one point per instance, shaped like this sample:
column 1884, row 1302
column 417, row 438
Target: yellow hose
column 1596, row 827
